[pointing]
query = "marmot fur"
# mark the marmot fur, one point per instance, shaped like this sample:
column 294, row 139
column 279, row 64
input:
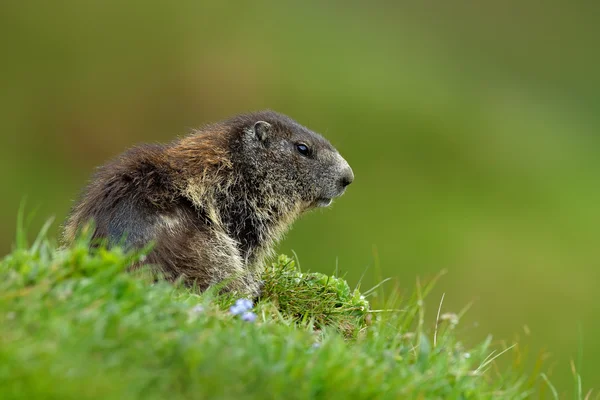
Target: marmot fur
column 213, row 203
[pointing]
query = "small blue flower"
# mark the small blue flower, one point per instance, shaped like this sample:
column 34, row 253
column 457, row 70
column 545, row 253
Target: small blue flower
column 241, row 306
column 249, row 316
column 246, row 304
column 235, row 310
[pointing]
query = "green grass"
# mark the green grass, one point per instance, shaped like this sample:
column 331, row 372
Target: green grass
column 74, row 324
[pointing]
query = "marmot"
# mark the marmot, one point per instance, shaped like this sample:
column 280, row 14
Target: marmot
column 213, row 203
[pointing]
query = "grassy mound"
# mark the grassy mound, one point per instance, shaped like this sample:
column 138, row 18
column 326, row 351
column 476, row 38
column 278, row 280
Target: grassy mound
column 75, row 325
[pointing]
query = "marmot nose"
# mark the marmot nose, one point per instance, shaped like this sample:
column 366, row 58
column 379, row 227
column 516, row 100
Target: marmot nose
column 347, row 178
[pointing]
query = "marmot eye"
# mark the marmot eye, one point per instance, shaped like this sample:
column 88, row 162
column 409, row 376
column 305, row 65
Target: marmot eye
column 302, row 149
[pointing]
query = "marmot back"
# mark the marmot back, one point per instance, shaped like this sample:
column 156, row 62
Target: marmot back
column 214, row 203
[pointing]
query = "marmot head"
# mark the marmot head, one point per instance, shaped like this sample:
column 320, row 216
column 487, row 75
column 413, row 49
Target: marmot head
column 286, row 160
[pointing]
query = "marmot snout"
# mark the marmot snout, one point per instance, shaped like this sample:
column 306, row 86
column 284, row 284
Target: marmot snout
column 214, row 203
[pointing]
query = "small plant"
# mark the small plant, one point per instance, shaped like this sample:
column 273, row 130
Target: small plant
column 326, row 301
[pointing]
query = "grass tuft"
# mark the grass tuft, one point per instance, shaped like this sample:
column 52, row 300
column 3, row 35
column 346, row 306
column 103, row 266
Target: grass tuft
column 314, row 298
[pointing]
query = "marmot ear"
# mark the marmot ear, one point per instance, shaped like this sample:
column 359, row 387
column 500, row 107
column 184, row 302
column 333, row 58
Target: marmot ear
column 261, row 129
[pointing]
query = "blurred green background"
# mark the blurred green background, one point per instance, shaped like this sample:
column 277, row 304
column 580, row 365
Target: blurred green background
column 472, row 129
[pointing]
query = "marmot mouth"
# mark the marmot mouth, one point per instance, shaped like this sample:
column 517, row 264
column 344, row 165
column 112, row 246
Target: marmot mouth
column 323, row 202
